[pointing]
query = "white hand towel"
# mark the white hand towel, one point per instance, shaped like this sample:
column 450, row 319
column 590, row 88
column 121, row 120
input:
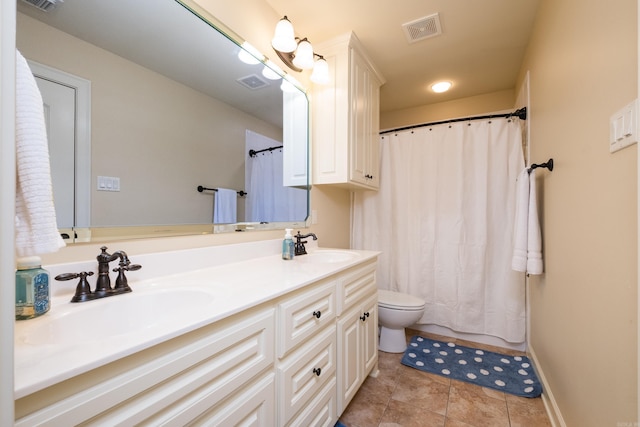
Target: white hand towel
column 527, row 249
column 225, row 206
column 534, row 237
column 521, row 232
column 36, row 227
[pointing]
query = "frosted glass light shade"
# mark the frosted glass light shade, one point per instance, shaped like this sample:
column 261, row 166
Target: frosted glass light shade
column 284, row 39
column 304, row 55
column 320, row 74
column 270, row 74
column 249, row 54
column 272, row 71
column 286, row 86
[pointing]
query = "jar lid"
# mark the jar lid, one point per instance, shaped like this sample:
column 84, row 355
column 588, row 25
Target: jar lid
column 28, row 262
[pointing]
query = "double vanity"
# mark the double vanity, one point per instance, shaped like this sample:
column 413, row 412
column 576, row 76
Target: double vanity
column 224, row 335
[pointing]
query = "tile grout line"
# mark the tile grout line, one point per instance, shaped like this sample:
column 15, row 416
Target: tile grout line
column 386, row 407
column 446, row 411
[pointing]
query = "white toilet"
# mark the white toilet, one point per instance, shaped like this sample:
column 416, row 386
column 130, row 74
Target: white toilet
column 396, row 311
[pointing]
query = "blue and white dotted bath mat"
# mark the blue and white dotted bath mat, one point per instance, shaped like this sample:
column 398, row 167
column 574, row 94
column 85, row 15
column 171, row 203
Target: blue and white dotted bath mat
column 511, row 374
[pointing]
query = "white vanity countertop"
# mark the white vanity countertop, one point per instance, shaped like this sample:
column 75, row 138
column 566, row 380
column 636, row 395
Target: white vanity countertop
column 74, row 338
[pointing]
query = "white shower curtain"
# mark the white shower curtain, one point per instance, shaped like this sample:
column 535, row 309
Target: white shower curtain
column 268, row 200
column 443, row 219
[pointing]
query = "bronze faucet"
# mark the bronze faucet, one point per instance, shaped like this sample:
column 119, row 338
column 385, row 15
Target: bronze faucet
column 103, row 282
column 299, row 245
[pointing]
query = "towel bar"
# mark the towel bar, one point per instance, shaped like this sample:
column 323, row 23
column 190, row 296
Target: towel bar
column 548, row 164
column 241, row 193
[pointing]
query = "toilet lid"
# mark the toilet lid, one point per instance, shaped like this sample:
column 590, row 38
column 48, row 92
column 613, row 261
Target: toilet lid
column 398, row 300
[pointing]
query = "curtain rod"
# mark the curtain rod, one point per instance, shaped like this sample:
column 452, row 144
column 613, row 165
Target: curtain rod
column 253, row 153
column 520, row 113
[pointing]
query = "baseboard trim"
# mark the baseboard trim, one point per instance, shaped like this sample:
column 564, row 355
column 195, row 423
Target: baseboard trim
column 550, row 404
column 482, row 339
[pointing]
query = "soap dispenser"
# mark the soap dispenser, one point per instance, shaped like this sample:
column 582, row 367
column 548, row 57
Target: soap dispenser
column 32, row 288
column 287, row 245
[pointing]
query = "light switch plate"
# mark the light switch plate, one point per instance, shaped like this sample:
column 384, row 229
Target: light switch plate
column 623, row 127
column 108, row 183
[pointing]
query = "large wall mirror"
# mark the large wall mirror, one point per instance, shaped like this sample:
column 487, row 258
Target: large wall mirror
column 152, row 103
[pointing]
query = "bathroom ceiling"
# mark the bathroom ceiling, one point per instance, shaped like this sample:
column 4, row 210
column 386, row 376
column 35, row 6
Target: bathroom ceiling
column 480, row 50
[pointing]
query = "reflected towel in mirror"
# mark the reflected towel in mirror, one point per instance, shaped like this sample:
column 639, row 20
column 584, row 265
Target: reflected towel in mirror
column 225, row 206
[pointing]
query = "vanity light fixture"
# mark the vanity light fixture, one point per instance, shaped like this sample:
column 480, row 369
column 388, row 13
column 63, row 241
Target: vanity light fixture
column 441, row 87
column 320, row 73
column 298, row 53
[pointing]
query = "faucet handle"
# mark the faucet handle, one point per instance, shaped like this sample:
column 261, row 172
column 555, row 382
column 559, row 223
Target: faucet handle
column 122, row 284
column 83, row 290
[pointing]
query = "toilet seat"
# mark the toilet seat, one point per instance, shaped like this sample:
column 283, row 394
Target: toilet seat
column 399, row 301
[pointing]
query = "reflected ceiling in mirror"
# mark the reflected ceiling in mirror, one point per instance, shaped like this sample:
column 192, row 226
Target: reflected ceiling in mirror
column 171, row 108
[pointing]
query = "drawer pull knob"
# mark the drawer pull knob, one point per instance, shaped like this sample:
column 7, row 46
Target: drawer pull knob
column 317, row 371
column 364, row 316
column 317, row 314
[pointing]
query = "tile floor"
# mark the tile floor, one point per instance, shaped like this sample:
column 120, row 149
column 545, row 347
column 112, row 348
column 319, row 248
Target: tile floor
column 405, row 397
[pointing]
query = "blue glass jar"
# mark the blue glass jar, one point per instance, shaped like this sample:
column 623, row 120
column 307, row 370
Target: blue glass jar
column 33, row 296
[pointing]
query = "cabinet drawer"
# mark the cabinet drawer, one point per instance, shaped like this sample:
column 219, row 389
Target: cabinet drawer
column 356, row 285
column 321, row 412
column 302, row 316
column 304, row 373
column 253, row 407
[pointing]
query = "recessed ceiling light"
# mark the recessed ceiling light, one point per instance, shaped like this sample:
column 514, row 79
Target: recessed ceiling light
column 441, row 87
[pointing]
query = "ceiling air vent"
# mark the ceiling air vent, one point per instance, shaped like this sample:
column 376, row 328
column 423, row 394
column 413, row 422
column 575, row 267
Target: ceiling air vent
column 44, row 5
column 422, row 28
column 252, row 82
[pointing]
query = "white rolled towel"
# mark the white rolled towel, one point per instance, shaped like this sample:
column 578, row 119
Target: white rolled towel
column 527, row 246
column 534, row 236
column 36, row 226
column 521, row 224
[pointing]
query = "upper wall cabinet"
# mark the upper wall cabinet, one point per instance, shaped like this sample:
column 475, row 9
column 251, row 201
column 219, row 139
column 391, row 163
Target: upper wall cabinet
column 346, row 117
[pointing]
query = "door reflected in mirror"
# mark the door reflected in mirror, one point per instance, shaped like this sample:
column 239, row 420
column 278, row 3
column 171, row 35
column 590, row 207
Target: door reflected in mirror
column 171, row 108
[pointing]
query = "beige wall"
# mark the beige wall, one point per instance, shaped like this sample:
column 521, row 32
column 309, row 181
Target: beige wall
column 145, row 125
column 332, row 205
column 465, row 107
column 583, row 67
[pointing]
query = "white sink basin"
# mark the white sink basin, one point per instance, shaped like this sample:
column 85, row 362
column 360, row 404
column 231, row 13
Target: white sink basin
column 327, row 256
column 117, row 316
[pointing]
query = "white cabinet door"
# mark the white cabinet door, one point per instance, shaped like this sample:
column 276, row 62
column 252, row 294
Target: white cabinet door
column 360, row 119
column 357, row 332
column 59, row 111
column 373, row 143
column 349, row 357
column 346, row 118
column 370, row 334
column 295, row 139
